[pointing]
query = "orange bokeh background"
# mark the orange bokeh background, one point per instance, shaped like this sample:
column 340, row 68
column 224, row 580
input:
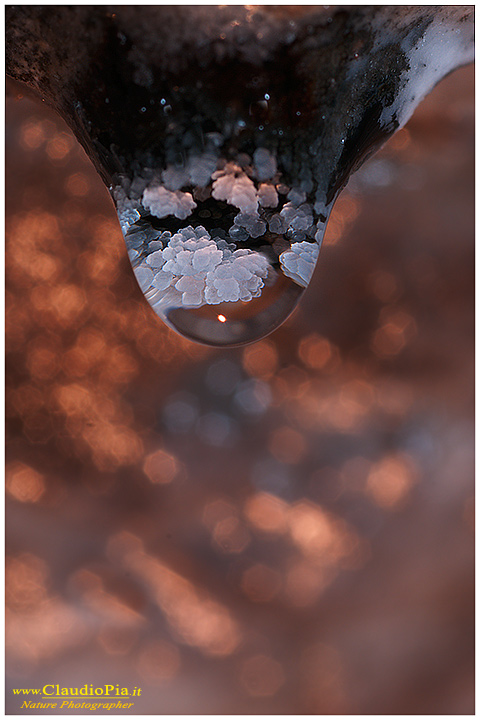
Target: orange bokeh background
column 281, row 528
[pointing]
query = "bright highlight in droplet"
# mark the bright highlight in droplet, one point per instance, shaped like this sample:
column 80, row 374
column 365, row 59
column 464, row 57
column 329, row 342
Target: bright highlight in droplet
column 222, row 318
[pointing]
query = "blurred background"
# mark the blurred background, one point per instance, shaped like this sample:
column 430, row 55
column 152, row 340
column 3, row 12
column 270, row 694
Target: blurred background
column 284, row 528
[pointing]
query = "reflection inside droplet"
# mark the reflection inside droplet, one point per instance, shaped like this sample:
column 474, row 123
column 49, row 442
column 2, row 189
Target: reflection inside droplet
column 221, row 250
column 240, row 322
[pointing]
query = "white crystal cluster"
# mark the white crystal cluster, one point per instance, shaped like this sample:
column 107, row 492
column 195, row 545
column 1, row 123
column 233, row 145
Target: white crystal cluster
column 162, row 202
column 164, row 198
column 294, row 218
column 230, row 183
column 249, row 184
column 128, row 217
column 442, row 47
column 234, row 186
column 193, row 270
column 298, row 263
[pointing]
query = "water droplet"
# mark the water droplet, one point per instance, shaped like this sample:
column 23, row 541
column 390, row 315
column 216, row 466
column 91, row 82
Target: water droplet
column 223, row 262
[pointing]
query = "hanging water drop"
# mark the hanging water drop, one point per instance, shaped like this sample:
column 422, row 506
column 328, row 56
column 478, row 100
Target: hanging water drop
column 224, row 187
column 220, row 255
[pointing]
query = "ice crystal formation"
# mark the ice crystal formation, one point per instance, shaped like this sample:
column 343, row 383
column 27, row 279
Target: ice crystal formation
column 225, row 133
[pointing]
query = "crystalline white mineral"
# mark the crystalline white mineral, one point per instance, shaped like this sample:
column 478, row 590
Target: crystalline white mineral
column 144, row 277
column 227, row 288
column 182, row 264
column 221, row 285
column 155, row 245
column 267, row 195
column 127, row 218
column 288, row 212
column 162, row 280
column 191, row 289
column 299, row 261
column 136, row 239
column 234, row 187
column 194, row 267
column 155, row 259
column 207, row 258
column 277, row 224
column 303, row 218
column 162, row 202
column 252, row 224
column 202, row 271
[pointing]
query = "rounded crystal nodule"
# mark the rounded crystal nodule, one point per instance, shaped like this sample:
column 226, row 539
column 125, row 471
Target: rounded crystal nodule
column 221, row 250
